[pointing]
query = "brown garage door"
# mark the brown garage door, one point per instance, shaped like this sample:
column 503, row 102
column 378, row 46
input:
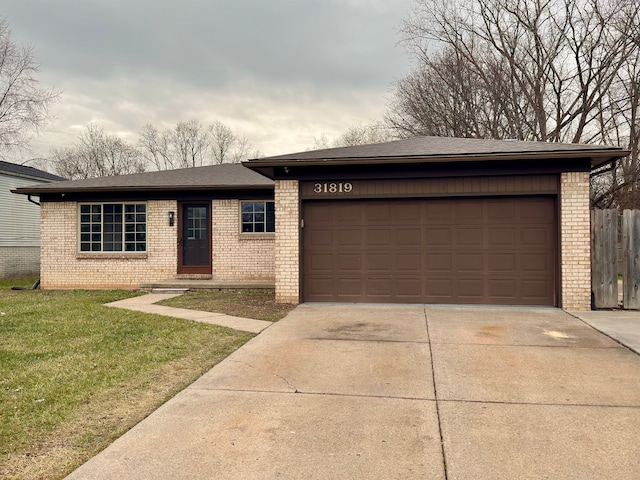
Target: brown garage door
column 455, row 250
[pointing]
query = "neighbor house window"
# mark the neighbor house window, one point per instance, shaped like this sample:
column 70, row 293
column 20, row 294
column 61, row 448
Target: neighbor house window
column 258, row 217
column 113, row 227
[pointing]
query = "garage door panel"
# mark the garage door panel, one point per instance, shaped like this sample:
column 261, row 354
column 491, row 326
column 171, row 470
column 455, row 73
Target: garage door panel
column 503, row 288
column 469, row 236
column 409, row 237
column 348, row 237
column 438, row 213
column 533, row 263
column 320, row 288
column 471, row 288
column 469, row 262
column 438, row 237
column 439, row 287
column 377, row 237
column 502, row 237
column 379, row 287
column 347, row 262
column 350, row 214
column 378, row 263
column 319, row 216
column 320, row 262
column 536, row 237
column 409, row 288
column 449, row 250
column 378, row 212
column 408, row 213
column 468, row 213
column 439, row 263
column 502, row 262
column 502, row 212
column 349, row 287
column 536, row 211
column 408, row 262
column 321, row 238
column 535, row 290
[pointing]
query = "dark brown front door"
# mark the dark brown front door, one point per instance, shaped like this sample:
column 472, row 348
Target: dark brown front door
column 455, row 250
column 194, row 242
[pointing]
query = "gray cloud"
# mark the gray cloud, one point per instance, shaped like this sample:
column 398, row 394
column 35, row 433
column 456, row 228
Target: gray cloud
column 298, row 66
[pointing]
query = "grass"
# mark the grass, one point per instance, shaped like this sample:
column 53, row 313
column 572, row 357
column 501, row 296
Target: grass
column 256, row 304
column 26, row 282
column 75, row 375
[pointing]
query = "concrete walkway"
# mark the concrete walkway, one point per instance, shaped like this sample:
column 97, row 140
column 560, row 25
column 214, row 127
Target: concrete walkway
column 399, row 392
column 146, row 303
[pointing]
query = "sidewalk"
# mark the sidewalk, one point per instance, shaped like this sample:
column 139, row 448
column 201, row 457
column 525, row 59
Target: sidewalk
column 621, row 325
column 146, row 303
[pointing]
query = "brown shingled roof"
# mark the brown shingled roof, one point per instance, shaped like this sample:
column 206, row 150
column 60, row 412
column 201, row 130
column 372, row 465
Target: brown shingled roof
column 213, row 177
column 442, row 149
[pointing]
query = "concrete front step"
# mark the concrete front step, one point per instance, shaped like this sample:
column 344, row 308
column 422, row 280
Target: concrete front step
column 177, row 291
column 209, row 284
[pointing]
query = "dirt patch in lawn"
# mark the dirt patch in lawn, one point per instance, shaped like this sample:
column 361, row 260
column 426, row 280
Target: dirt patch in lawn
column 250, row 303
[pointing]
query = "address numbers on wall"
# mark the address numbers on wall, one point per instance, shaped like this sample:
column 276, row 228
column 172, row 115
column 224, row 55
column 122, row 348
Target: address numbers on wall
column 333, row 187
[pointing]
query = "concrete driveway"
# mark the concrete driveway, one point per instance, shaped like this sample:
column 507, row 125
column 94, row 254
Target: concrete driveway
column 399, row 392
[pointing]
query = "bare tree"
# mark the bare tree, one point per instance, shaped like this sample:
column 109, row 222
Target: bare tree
column 223, row 141
column 192, row 144
column 96, row 154
column 24, row 103
column 154, row 146
column 320, row 143
column 619, row 187
column 535, row 70
column 357, row 134
column 362, row 135
column 547, row 70
column 243, row 150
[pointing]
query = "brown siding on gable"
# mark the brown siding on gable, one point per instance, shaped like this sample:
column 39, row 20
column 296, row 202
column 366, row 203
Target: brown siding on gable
column 481, row 250
column 431, row 187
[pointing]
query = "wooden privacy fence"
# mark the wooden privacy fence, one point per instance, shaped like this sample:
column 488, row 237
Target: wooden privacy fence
column 614, row 239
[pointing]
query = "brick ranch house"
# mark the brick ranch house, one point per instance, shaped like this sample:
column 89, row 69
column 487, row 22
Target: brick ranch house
column 423, row 220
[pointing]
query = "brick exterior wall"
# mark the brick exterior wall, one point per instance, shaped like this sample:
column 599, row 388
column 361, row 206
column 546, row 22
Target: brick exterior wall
column 575, row 241
column 236, row 256
column 19, row 262
column 287, row 253
column 62, row 266
column 239, row 256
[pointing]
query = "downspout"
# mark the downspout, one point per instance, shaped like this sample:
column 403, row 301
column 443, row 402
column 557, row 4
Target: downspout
column 33, row 201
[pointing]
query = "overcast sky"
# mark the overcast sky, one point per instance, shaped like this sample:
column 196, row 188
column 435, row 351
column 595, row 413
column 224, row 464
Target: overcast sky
column 280, row 72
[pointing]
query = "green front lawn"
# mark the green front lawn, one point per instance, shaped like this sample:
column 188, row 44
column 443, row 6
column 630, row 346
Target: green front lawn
column 75, row 375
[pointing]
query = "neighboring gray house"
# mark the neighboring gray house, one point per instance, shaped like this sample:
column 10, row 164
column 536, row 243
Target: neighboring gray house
column 20, row 221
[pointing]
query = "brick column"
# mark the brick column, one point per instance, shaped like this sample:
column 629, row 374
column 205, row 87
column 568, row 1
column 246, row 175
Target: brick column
column 575, row 241
column 287, row 249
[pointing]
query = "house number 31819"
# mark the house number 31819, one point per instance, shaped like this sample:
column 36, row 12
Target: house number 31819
column 333, row 187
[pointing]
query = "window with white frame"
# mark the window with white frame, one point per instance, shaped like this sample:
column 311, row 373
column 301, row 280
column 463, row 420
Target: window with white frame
column 113, row 227
column 258, row 217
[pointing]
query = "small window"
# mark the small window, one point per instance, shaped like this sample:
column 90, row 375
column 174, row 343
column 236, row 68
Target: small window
column 197, row 223
column 258, row 217
column 113, row 227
